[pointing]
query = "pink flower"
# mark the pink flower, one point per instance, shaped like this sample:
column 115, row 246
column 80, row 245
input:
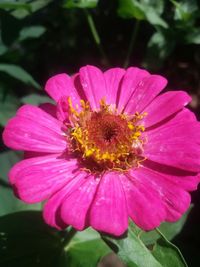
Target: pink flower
column 112, row 148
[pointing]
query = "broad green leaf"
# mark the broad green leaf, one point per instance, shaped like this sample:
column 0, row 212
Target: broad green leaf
column 8, row 202
column 33, row 5
column 80, row 3
column 7, row 5
column 36, row 99
column 170, row 230
column 134, row 253
column 185, row 10
column 19, row 74
column 130, row 9
column 167, row 253
column 158, row 5
column 85, row 249
column 142, row 10
column 31, row 32
column 154, row 18
column 25, row 240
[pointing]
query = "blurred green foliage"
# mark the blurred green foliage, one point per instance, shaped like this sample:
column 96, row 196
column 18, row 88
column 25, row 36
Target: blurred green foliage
column 39, row 38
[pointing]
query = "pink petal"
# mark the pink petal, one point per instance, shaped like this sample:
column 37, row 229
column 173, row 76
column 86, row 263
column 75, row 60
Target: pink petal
column 38, row 178
column 176, row 131
column 63, row 109
column 75, row 207
column 181, row 178
column 165, row 105
column 32, row 154
column 175, row 200
column 131, row 80
column 113, row 78
column 77, row 84
column 52, row 209
column 62, row 85
column 181, row 153
column 108, row 211
column 144, row 203
column 34, row 130
column 147, row 89
column 93, row 84
column 182, row 116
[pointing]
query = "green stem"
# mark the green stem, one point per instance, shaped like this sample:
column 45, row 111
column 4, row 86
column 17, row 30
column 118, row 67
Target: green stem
column 95, row 35
column 132, row 43
column 68, row 236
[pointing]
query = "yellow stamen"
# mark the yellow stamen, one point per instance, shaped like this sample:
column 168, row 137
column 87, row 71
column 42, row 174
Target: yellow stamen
column 92, row 128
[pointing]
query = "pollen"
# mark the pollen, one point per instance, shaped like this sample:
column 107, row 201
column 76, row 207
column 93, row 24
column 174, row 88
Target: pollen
column 105, row 139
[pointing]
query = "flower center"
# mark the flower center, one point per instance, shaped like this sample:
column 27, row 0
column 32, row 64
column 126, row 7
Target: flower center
column 104, row 139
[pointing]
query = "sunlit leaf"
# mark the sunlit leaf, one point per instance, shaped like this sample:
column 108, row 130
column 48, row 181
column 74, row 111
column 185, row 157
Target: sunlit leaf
column 7, row 5
column 185, row 10
column 170, row 230
column 131, row 9
column 167, row 253
column 143, row 10
column 33, row 5
column 135, row 253
column 80, row 3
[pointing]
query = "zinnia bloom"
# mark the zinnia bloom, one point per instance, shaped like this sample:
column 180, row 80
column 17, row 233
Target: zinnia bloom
column 112, row 148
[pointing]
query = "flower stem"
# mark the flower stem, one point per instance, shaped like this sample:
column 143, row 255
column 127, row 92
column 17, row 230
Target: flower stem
column 95, row 35
column 132, row 43
column 68, row 236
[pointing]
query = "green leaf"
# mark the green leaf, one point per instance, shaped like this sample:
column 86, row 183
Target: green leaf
column 31, row 32
column 170, row 230
column 192, row 36
column 19, row 74
column 167, row 253
column 8, row 202
column 134, row 253
column 85, row 249
column 36, row 99
column 158, row 5
column 25, row 240
column 185, row 10
column 80, row 3
column 154, row 18
column 130, row 9
column 34, row 7
column 143, row 10
column 7, row 5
